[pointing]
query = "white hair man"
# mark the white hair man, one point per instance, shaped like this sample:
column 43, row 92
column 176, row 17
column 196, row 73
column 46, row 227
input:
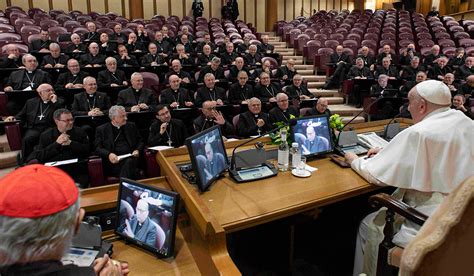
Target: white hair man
column 39, row 215
column 425, row 162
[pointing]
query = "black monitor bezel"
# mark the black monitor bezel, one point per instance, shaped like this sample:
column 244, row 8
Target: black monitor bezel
column 331, row 142
column 192, row 155
column 172, row 237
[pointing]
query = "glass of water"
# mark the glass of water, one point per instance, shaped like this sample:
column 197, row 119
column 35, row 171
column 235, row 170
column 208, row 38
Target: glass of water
column 301, row 168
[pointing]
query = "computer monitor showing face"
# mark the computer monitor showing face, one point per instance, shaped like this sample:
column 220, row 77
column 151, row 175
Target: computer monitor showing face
column 313, row 135
column 146, row 216
column 208, row 156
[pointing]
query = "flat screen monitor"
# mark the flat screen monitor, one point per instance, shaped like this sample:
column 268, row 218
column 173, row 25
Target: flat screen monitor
column 208, row 156
column 146, row 216
column 313, row 135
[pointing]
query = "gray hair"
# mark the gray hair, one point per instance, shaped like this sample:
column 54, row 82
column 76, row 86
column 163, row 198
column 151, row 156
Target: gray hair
column 209, row 75
column 114, row 110
column 25, row 56
column 216, row 60
column 135, row 74
column 415, row 58
column 280, row 95
column 54, row 45
column 387, row 58
column 58, row 112
column 253, row 47
column 254, row 99
column 110, row 59
column 88, row 79
column 382, row 76
column 25, row 240
column 74, row 35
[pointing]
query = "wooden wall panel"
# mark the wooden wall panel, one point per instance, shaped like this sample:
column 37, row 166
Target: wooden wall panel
column 3, row 4
column 98, row 6
column 298, row 4
column 289, row 10
column 261, row 10
column 148, row 11
column 162, row 7
column 42, row 4
column 281, row 10
column 80, row 5
column 127, row 8
column 307, row 6
column 177, row 8
column 115, row 6
column 60, row 5
column 251, row 11
column 188, row 5
column 20, row 3
column 217, row 6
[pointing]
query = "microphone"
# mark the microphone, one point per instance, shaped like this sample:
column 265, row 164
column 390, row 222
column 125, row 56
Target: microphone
column 357, row 115
column 387, row 126
column 292, row 122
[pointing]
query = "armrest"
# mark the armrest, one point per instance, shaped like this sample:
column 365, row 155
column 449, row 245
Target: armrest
column 399, row 207
column 386, row 247
column 96, row 171
column 3, row 104
column 13, row 136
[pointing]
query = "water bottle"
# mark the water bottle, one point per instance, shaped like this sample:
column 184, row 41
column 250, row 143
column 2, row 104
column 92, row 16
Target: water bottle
column 283, row 152
column 295, row 155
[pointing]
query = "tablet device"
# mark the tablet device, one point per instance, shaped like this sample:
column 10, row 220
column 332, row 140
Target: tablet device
column 146, row 216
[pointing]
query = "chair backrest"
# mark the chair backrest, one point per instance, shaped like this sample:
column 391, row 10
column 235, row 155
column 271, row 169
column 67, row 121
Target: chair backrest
column 443, row 246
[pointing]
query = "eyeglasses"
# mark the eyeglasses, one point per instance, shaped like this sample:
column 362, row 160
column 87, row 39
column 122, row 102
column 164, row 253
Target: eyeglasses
column 67, row 120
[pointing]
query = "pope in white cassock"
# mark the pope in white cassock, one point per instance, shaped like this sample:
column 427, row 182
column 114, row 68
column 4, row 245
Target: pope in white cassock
column 425, row 162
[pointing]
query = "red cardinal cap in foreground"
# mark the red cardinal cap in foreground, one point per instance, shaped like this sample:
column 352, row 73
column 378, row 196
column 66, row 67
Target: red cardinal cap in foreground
column 36, row 191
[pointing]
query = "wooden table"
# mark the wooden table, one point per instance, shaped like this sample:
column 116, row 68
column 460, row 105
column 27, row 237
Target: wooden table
column 228, row 206
column 142, row 262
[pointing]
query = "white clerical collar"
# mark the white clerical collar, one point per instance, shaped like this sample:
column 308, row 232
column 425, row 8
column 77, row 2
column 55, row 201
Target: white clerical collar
column 30, row 72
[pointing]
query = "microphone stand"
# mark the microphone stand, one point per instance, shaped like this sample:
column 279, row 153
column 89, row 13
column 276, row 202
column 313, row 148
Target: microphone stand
column 357, row 115
column 232, row 160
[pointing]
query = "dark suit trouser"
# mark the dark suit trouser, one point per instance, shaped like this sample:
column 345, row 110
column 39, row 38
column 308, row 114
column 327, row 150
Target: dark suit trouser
column 28, row 143
column 14, row 106
column 125, row 168
column 338, row 76
column 78, row 172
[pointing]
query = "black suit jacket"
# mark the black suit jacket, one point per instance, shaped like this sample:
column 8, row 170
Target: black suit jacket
column 294, row 93
column 391, row 71
column 218, row 74
column 234, row 72
column 277, row 115
column 203, row 60
column 106, row 78
column 436, row 71
column 80, row 105
column 368, row 60
column 202, row 123
column 182, row 74
column 176, row 129
column 37, row 45
column 104, row 139
column 5, row 62
column 227, row 58
column 202, row 44
column 409, row 73
column 87, row 59
column 91, row 37
column 463, row 72
column 265, row 93
column 68, row 77
column 253, row 60
column 138, row 46
column 48, row 150
column 237, row 93
column 284, row 71
column 109, row 48
column 356, row 72
column 266, row 47
column 335, row 58
column 131, row 61
column 48, row 59
column 164, row 47
column 247, row 124
column 18, row 81
column 149, row 58
column 127, row 99
column 205, row 94
column 72, row 47
column 168, row 96
column 30, row 111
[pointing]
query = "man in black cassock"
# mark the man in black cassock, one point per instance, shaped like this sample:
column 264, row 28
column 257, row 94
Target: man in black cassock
column 166, row 131
column 137, row 98
column 253, row 121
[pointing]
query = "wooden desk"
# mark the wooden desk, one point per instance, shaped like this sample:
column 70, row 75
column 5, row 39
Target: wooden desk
column 142, row 262
column 228, row 206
